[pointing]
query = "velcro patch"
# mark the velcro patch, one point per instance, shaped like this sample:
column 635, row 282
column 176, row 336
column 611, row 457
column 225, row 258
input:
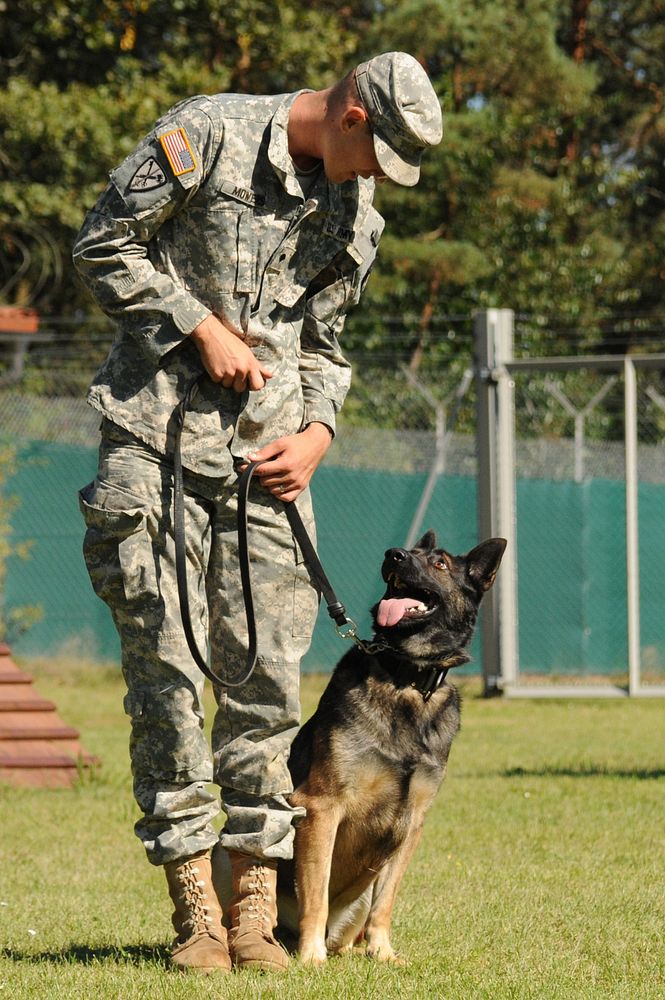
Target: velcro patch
column 338, row 232
column 241, row 194
column 178, row 151
column 148, row 176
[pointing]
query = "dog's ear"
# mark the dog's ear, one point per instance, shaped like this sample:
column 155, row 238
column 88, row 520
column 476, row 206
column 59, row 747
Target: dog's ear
column 483, row 562
column 428, row 541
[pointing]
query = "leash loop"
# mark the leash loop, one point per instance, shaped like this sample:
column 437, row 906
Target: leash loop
column 181, row 557
column 346, row 628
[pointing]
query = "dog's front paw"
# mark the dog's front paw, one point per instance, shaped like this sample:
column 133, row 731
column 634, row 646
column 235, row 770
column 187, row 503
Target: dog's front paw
column 381, row 955
column 381, row 950
column 313, row 954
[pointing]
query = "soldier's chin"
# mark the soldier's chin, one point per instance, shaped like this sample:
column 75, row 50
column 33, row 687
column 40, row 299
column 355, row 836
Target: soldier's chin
column 336, row 176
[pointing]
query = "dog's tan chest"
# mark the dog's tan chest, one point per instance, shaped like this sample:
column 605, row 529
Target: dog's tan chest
column 379, row 811
column 369, row 785
column 374, row 788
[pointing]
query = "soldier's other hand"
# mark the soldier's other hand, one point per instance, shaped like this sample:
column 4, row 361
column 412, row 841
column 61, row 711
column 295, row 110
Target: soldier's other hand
column 226, row 358
column 289, row 463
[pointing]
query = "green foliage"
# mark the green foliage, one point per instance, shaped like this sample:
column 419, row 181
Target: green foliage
column 546, row 195
column 540, row 164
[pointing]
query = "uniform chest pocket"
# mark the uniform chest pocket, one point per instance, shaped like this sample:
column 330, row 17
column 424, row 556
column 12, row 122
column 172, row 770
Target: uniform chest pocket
column 219, row 248
column 300, row 260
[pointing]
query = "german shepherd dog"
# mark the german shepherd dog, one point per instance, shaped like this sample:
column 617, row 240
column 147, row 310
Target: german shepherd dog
column 369, row 762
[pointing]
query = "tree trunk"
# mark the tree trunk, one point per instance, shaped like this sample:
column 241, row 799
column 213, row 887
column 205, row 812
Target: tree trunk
column 425, row 320
column 578, row 35
column 580, row 11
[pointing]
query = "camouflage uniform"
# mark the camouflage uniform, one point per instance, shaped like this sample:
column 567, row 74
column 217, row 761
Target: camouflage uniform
column 209, row 215
column 232, row 235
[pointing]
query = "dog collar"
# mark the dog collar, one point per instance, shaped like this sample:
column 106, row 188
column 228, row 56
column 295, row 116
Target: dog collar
column 431, row 682
column 425, row 681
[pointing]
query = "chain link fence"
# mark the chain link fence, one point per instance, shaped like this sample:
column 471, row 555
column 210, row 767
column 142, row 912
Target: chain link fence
column 395, row 447
column 570, row 525
column 576, row 481
column 404, row 460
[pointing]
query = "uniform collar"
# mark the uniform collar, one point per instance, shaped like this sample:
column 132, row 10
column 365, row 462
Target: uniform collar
column 336, row 199
column 278, row 147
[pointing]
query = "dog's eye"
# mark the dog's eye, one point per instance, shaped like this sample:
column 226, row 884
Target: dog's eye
column 441, row 564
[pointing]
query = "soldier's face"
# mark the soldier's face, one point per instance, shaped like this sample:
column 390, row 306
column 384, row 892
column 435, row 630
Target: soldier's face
column 352, row 155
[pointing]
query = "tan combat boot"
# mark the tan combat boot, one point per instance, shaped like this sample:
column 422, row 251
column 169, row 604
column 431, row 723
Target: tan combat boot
column 201, row 944
column 253, row 914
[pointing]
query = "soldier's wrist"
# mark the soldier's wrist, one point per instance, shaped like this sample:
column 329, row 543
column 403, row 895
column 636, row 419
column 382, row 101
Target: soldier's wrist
column 319, row 428
column 203, row 330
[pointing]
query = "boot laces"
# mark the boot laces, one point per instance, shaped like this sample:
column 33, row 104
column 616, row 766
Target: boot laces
column 257, row 883
column 198, row 915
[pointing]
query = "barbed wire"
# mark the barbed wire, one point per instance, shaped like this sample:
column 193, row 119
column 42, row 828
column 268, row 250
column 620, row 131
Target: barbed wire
column 80, row 342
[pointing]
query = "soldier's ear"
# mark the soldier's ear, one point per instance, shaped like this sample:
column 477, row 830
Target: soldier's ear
column 352, row 117
column 483, row 562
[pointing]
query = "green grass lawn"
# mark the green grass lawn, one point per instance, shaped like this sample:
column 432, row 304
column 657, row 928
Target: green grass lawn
column 541, row 872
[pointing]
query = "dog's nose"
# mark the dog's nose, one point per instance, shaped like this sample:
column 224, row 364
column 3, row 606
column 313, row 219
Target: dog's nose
column 396, row 555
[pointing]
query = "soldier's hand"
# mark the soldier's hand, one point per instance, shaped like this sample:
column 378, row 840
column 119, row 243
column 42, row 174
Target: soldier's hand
column 290, row 462
column 226, row 358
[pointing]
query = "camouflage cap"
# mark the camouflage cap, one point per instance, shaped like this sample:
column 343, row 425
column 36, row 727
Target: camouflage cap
column 404, row 113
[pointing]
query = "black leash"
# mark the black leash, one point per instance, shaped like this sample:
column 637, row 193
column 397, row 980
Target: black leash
column 336, row 609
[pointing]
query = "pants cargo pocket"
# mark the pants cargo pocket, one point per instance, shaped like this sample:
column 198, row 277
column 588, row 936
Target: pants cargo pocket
column 305, row 600
column 118, row 549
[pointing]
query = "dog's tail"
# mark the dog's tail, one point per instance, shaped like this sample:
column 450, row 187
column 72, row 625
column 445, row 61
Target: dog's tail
column 347, row 918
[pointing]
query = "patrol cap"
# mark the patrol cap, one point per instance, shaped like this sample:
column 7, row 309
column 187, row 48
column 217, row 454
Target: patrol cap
column 403, row 110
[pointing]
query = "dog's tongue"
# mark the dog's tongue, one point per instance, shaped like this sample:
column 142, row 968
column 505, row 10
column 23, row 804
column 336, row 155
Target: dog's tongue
column 392, row 609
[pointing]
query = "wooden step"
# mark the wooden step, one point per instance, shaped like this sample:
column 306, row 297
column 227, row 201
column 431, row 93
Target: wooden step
column 14, row 677
column 16, row 750
column 33, row 704
column 24, row 754
column 36, row 759
column 43, row 732
column 42, row 770
column 17, row 690
column 37, row 749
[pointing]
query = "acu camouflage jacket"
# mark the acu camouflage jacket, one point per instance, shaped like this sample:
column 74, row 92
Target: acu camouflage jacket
column 208, row 215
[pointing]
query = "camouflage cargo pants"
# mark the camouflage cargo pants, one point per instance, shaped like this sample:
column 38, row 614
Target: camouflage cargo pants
column 129, row 551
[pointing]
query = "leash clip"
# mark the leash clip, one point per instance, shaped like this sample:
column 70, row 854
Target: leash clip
column 347, row 630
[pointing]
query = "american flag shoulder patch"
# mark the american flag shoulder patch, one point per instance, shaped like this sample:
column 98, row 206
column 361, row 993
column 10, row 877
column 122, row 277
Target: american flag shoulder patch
column 178, row 151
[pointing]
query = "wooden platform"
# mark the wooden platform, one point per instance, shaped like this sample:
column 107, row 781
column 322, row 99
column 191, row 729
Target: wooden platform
column 37, row 749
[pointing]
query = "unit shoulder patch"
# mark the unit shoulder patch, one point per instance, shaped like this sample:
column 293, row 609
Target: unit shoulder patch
column 178, row 151
column 148, row 176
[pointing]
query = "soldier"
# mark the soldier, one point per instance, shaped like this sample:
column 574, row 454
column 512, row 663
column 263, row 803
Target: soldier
column 232, row 241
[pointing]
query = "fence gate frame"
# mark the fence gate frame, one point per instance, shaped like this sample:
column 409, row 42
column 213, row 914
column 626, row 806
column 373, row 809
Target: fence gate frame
column 495, row 366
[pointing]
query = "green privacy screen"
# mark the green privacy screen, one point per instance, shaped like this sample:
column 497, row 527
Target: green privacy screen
column 571, row 559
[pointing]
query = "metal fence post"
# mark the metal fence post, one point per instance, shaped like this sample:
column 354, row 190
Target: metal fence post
column 632, row 531
column 496, row 491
